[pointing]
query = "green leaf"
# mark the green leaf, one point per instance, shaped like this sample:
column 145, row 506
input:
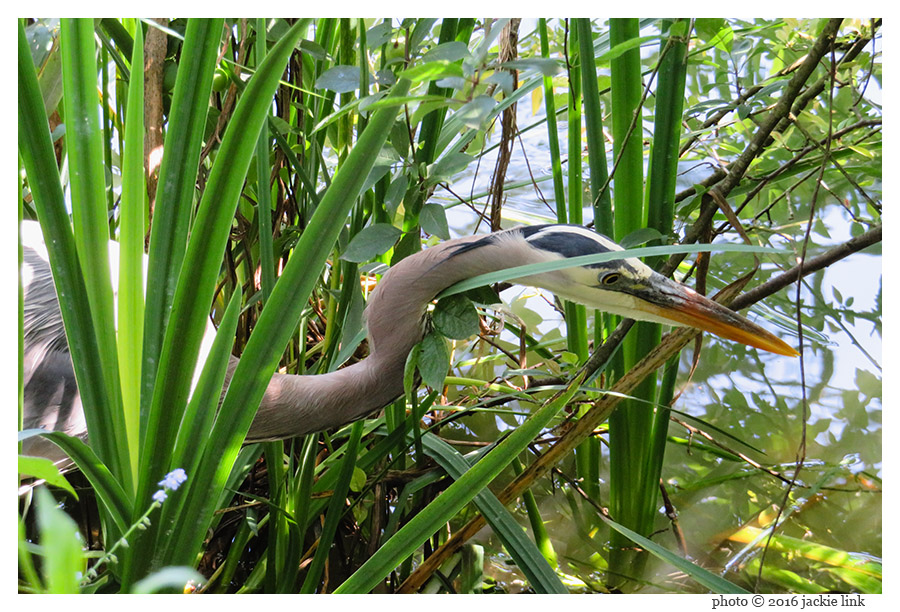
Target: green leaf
column 41, row 467
column 108, row 490
column 395, row 194
column 315, row 50
column 457, row 83
column 434, row 360
column 708, row 27
column 61, row 543
column 191, row 305
column 340, row 79
column 503, row 79
column 200, row 412
column 483, row 295
column 520, row 546
column 448, row 52
column 409, row 370
column 433, row 220
column 168, row 579
column 420, row 32
column 448, row 165
column 432, row 70
column 455, row 317
column 772, row 87
column 358, row 480
column 424, row 524
column 275, row 326
column 623, row 47
column 704, row 577
column 130, row 323
column 716, row 32
column 379, row 34
column 371, row 241
column 640, row 236
column 98, row 378
column 336, row 509
column 176, row 187
column 546, row 66
column 474, row 114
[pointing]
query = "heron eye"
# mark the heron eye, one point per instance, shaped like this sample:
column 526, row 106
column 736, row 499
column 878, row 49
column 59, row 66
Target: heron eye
column 610, row 279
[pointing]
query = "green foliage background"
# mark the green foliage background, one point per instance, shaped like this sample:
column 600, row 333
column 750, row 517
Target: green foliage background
column 301, row 155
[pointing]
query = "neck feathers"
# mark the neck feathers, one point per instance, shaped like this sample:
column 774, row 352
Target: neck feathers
column 395, row 315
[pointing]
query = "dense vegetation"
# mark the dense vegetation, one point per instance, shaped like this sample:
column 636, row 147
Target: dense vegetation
column 302, row 156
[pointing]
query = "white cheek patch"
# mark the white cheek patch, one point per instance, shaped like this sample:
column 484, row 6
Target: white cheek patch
column 642, row 272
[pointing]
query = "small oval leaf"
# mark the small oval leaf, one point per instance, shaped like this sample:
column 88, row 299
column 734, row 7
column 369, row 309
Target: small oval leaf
column 448, row 165
column 434, row 360
column 448, row 51
column 455, row 317
column 395, row 194
column 473, row 114
column 641, row 236
column 544, row 65
column 340, row 79
column 370, row 242
column 433, row 220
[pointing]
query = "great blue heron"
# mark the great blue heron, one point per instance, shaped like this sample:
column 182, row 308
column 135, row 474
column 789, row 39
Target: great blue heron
column 297, row 405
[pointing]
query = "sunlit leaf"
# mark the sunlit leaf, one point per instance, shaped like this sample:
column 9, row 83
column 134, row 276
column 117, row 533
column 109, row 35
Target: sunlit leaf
column 43, row 468
column 61, row 543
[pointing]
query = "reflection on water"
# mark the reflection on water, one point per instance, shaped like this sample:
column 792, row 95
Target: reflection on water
column 749, row 403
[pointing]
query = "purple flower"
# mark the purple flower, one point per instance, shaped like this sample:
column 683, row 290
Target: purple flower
column 173, row 479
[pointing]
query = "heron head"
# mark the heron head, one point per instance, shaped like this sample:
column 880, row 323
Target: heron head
column 631, row 289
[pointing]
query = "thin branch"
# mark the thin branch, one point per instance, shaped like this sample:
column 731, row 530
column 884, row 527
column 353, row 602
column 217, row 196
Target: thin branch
column 738, row 167
column 813, row 264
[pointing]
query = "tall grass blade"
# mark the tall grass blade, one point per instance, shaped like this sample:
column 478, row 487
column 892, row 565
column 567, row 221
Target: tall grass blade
column 661, row 184
column 263, row 196
column 90, row 218
column 559, row 188
column 130, row 331
column 276, row 324
column 451, row 501
column 194, row 293
column 593, row 123
column 195, row 287
column 704, row 577
column 336, row 509
column 521, row 548
column 112, row 497
column 576, row 314
column 36, row 150
column 631, row 422
column 175, row 190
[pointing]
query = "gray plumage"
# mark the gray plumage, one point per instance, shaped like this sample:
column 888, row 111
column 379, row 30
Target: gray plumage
column 395, row 316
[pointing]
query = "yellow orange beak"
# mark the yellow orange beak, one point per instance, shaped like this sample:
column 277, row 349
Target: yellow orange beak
column 665, row 299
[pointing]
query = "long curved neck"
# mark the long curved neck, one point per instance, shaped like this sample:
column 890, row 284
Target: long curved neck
column 297, row 405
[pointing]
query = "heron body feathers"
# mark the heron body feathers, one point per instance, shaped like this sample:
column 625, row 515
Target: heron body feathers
column 395, row 315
